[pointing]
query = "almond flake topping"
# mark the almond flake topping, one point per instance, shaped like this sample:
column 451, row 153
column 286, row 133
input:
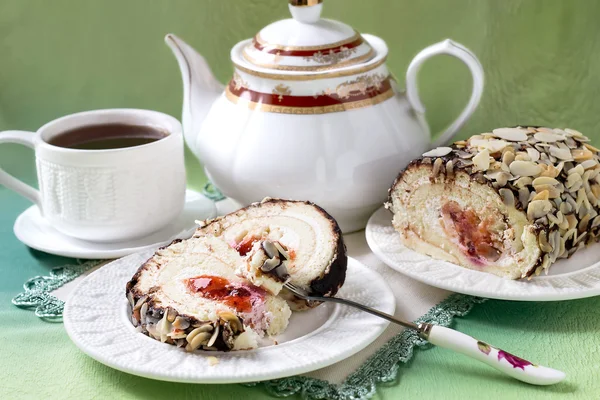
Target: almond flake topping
column 438, row 152
column 553, row 175
column 511, row 134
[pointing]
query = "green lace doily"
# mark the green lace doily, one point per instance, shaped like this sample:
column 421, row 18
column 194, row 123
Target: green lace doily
column 36, row 294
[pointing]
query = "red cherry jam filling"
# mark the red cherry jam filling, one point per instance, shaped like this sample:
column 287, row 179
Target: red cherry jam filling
column 473, row 234
column 246, row 244
column 234, row 295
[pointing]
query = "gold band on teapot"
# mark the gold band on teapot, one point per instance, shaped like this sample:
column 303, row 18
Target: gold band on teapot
column 305, row 3
column 281, row 67
column 263, row 43
column 310, row 76
column 363, row 91
column 309, row 110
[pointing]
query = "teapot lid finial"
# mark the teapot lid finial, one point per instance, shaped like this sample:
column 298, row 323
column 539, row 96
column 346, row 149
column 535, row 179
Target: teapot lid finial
column 307, row 11
column 307, row 42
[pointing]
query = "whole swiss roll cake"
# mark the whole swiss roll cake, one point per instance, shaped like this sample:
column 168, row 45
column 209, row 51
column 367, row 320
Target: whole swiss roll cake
column 222, row 289
column 509, row 202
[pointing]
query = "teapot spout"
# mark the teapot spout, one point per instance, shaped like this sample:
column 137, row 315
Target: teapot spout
column 200, row 88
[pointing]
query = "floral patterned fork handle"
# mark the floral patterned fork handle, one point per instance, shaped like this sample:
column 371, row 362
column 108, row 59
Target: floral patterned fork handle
column 505, row 362
column 511, row 365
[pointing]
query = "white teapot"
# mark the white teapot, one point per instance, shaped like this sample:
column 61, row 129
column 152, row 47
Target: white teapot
column 311, row 113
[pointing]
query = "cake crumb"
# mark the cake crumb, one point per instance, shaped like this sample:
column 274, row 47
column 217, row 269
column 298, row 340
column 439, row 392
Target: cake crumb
column 212, row 360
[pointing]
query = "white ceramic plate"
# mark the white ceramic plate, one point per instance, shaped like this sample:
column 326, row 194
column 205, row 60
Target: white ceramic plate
column 33, row 230
column 96, row 319
column 573, row 278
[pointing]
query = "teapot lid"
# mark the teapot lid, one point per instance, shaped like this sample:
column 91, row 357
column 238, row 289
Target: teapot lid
column 307, row 42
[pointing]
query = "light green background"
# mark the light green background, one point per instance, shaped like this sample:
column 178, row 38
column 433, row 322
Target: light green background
column 541, row 59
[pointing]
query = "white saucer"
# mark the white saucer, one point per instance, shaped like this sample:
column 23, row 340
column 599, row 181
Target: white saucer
column 33, row 230
column 573, row 278
column 95, row 317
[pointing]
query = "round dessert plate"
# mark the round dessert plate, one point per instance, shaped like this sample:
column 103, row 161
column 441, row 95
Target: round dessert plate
column 573, row 278
column 96, row 319
column 33, row 230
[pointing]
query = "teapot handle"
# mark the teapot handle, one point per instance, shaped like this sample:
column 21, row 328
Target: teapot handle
column 465, row 55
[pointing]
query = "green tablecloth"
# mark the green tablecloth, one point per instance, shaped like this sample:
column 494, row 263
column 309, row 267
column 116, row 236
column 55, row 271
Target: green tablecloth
column 38, row 360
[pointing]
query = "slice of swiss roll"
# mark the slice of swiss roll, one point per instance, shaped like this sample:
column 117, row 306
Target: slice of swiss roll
column 222, row 288
column 509, row 202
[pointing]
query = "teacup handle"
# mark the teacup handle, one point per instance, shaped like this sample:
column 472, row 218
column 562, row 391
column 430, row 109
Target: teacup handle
column 26, row 139
column 465, row 55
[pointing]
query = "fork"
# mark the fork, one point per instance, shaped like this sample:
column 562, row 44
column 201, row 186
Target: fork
column 511, row 365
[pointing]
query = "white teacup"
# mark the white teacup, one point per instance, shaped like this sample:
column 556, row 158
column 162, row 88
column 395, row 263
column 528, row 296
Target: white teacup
column 105, row 195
